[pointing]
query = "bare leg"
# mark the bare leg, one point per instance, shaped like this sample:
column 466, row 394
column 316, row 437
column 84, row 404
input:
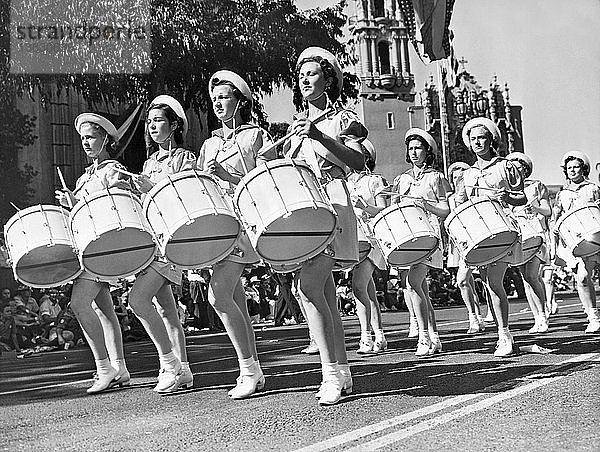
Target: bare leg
column 170, row 318
column 239, row 296
column 113, row 338
column 495, row 278
column 361, row 275
column 414, row 280
column 376, row 322
column 338, row 327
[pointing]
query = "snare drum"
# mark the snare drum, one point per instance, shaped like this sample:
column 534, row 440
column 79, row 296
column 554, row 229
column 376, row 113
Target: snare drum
column 287, row 214
column 192, row 219
column 580, row 230
column 113, row 239
column 40, row 246
column 404, row 234
column 532, row 237
column 364, row 246
column 481, row 231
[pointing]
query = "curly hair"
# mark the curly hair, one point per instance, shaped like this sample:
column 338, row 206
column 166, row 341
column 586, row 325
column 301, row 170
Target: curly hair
column 429, row 158
column 528, row 170
column 584, row 168
column 111, row 145
column 151, row 145
column 245, row 104
column 328, row 72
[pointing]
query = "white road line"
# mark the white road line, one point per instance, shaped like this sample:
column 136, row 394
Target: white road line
column 399, row 435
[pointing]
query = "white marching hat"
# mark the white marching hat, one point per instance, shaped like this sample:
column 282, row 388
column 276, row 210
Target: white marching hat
column 310, row 52
column 521, row 157
column 426, row 136
column 108, row 126
column 577, row 154
column 368, row 146
column 485, row 122
column 175, row 106
column 234, row 79
column 458, row 165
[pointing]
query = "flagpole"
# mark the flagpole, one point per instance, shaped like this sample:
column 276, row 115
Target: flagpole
column 442, row 101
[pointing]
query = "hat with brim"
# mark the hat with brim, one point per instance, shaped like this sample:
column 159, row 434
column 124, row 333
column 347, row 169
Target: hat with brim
column 175, row 106
column 312, row 52
column 478, row 122
column 368, row 146
column 458, row 165
column 426, row 136
column 234, row 79
column 577, row 154
column 108, row 126
column 522, row 158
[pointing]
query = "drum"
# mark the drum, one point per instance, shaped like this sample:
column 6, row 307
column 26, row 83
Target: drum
column 286, row 212
column 40, row 246
column 532, row 237
column 111, row 234
column 580, row 230
column 192, row 219
column 481, row 231
column 404, row 234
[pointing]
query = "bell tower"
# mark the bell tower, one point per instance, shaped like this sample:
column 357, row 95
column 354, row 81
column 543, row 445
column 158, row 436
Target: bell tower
column 381, row 42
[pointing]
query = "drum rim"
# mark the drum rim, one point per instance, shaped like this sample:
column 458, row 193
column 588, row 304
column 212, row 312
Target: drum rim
column 377, row 218
column 185, row 174
column 564, row 216
column 32, row 209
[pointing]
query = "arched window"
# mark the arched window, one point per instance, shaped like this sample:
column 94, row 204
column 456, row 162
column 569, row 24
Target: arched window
column 383, row 48
column 379, row 8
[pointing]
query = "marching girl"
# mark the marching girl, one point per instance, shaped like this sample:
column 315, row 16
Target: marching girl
column 99, row 324
column 500, row 179
column 464, row 274
column 332, row 148
column 228, row 155
column 366, row 190
column 537, row 210
column 577, row 192
column 428, row 189
column 166, row 127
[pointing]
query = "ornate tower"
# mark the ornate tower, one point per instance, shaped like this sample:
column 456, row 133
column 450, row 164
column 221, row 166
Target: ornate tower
column 388, row 88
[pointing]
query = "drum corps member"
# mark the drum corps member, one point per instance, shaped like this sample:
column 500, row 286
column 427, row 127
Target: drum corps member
column 100, row 325
column 365, row 190
column 500, row 179
column 464, row 274
column 166, row 127
column 577, row 192
column 228, row 155
column 332, row 148
column 427, row 188
column 536, row 213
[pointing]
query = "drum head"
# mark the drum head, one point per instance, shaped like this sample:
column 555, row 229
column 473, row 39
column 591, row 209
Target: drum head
column 204, row 241
column 414, row 251
column 119, row 253
column 491, row 249
column 48, row 266
column 589, row 246
column 300, row 236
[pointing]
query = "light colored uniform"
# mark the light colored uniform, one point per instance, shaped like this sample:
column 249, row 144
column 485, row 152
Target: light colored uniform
column 427, row 184
column 100, row 177
column 498, row 173
column 572, row 196
column 237, row 153
column 159, row 165
column 368, row 187
column 536, row 191
column 345, row 127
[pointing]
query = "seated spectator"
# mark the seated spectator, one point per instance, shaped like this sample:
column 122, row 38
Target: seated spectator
column 28, row 300
column 4, row 298
column 9, row 337
column 67, row 332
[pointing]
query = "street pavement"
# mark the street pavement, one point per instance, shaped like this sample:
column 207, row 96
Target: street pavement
column 463, row 399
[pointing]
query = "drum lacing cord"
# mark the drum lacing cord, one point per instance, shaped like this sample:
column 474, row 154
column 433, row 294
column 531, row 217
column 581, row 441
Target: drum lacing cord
column 204, row 191
column 304, row 184
column 187, row 213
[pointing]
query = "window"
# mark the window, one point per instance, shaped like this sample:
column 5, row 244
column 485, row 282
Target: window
column 379, row 8
column 391, row 124
column 383, row 48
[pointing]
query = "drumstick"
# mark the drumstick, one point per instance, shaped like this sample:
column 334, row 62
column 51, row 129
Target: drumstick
column 512, row 192
column 17, row 209
column 289, row 135
column 64, row 186
column 391, row 193
column 122, row 171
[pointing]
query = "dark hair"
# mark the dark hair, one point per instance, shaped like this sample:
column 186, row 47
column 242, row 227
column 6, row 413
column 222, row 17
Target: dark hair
column 586, row 168
column 429, row 158
column 111, row 145
column 151, row 145
column 328, row 72
column 369, row 162
column 528, row 170
column 245, row 105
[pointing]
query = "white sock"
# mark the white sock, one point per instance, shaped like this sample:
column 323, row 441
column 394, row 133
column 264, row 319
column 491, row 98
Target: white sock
column 345, row 370
column 424, row 336
column 169, row 361
column 504, row 332
column 248, row 366
column 185, row 365
column 379, row 336
column 119, row 364
column 472, row 317
column 434, row 336
column 330, row 371
column 103, row 366
column 365, row 336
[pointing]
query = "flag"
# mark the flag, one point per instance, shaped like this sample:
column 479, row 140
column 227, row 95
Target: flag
column 450, row 66
column 427, row 22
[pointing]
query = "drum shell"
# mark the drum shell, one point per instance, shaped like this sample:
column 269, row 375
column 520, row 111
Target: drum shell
column 481, row 231
column 193, row 221
column 40, row 246
column 404, row 234
column 532, row 237
column 580, row 230
column 113, row 239
column 286, row 212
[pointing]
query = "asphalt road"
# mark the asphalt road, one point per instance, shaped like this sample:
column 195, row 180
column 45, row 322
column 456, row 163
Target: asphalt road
column 463, row 399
